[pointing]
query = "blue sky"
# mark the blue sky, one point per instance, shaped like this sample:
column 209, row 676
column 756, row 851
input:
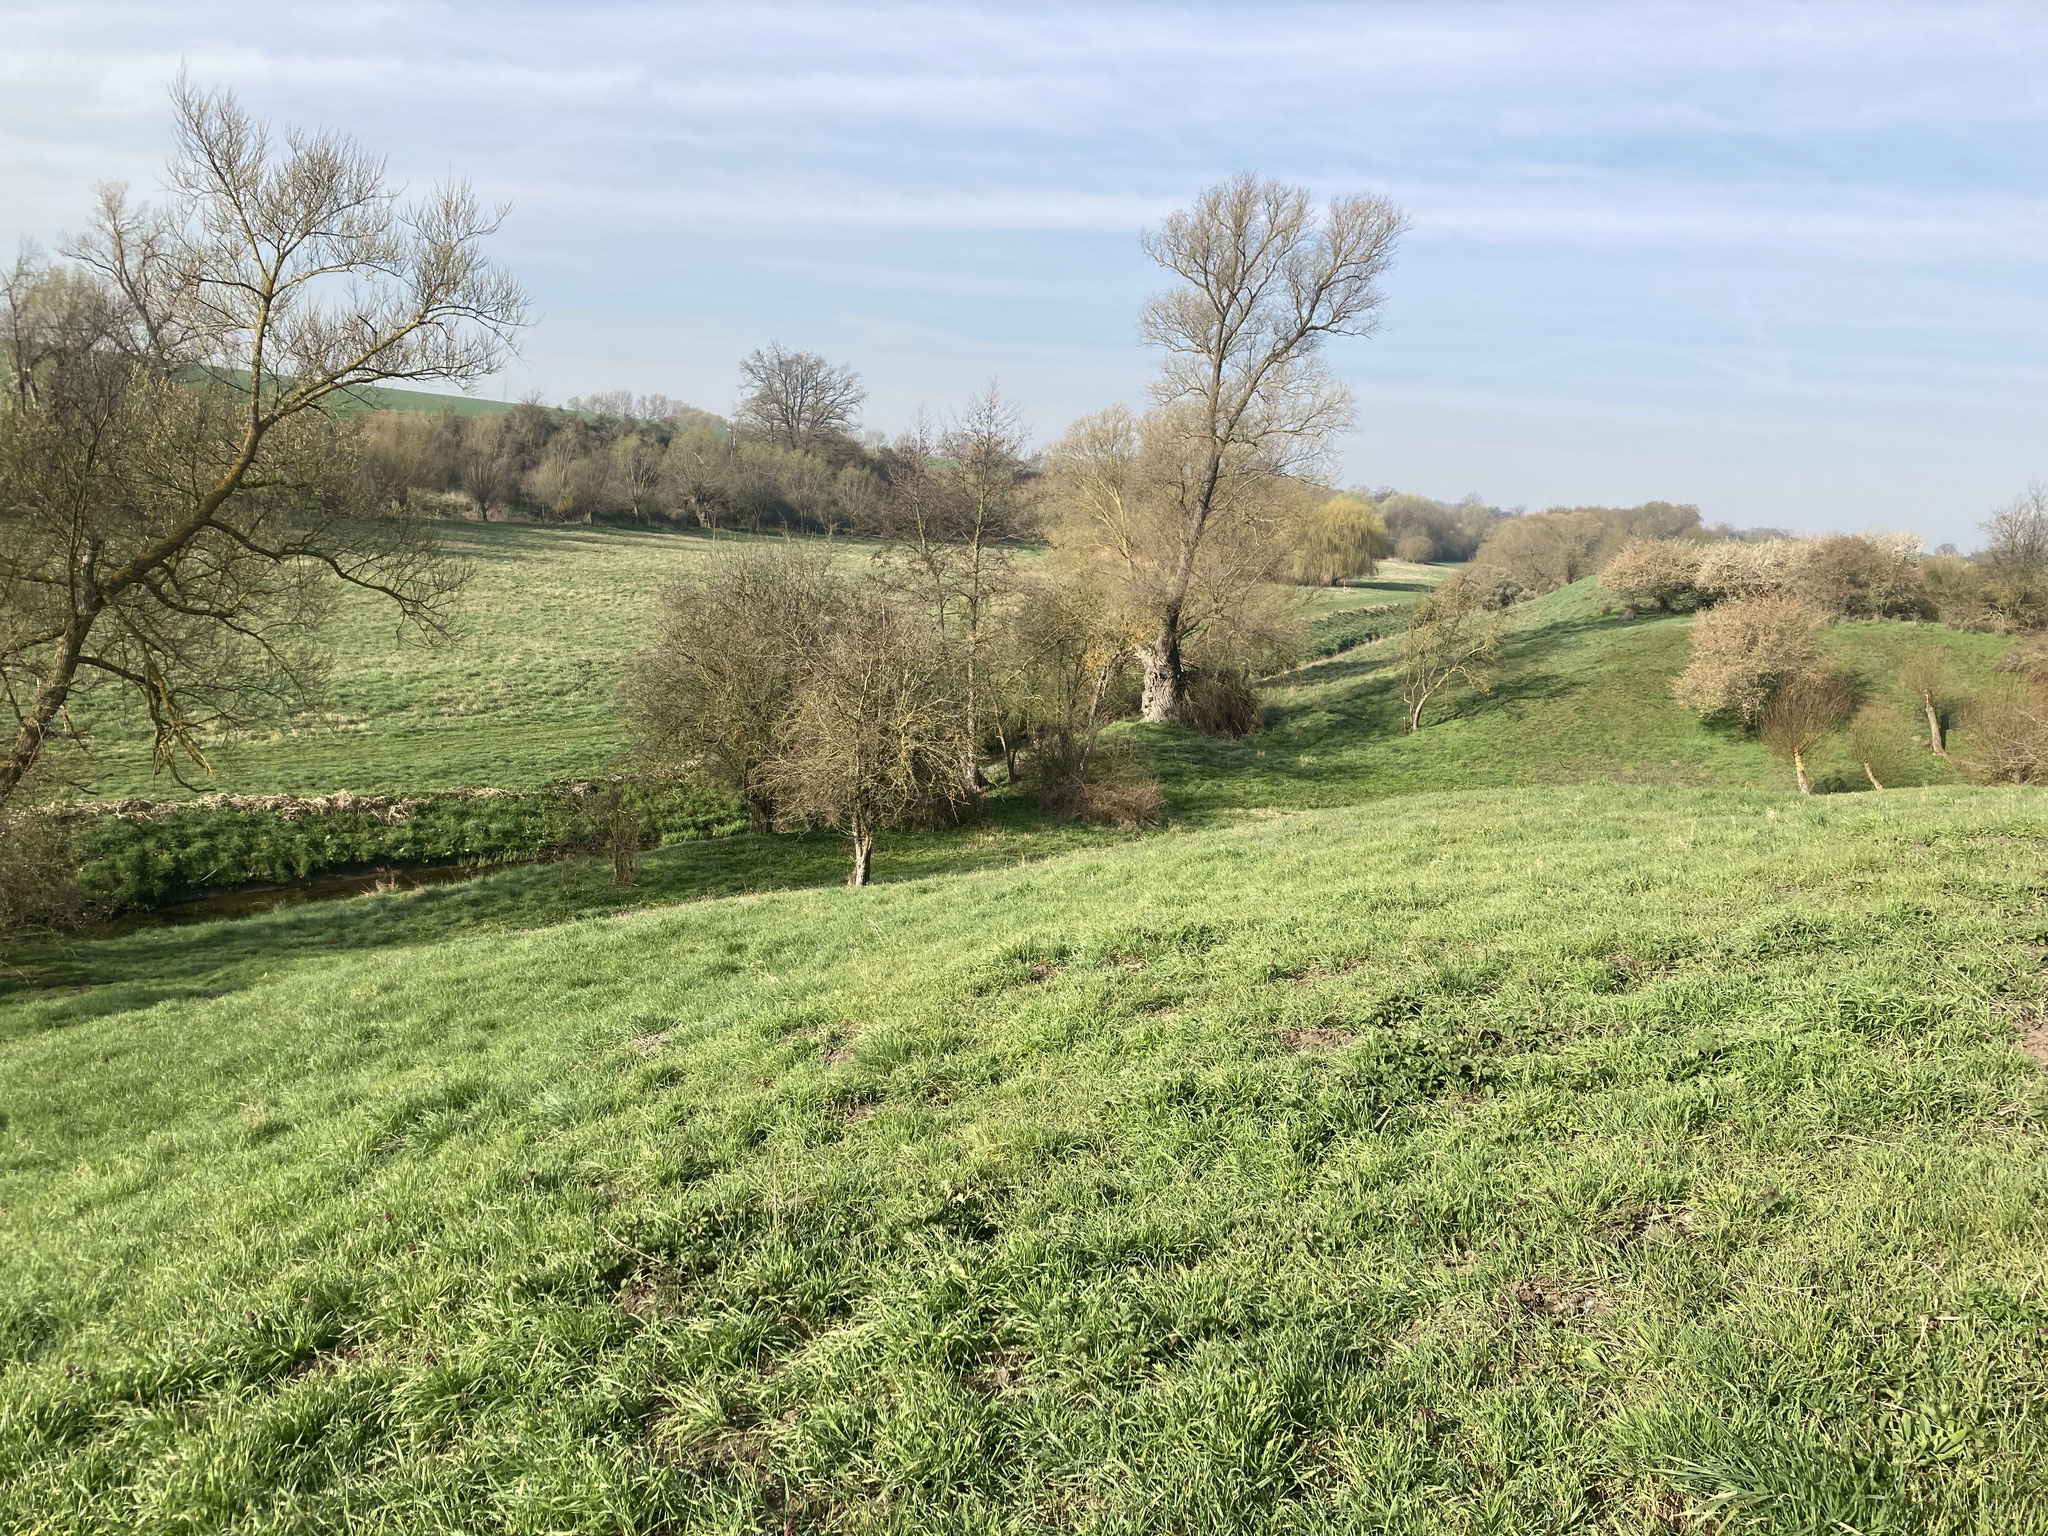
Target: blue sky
column 1787, row 261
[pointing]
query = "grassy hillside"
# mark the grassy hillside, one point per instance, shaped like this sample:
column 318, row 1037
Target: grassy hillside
column 1576, row 695
column 1607, row 1158
column 522, row 694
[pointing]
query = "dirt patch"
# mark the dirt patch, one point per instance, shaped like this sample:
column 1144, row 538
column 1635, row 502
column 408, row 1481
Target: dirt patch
column 1646, row 1221
column 1043, row 970
column 2030, row 1034
column 998, row 1371
column 1626, row 968
column 1558, row 1300
column 1327, row 1038
column 739, row 1453
column 1126, row 963
column 855, row 1113
column 648, row 1046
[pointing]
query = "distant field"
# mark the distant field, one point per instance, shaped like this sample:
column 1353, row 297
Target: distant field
column 1570, row 1159
column 522, row 695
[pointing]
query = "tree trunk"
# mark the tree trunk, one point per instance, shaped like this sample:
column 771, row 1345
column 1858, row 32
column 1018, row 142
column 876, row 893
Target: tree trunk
column 863, row 852
column 49, row 699
column 1872, row 777
column 1937, row 741
column 1799, row 767
column 1165, row 681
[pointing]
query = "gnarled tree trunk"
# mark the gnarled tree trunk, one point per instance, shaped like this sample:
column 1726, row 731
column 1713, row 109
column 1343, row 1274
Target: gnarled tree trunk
column 1165, row 680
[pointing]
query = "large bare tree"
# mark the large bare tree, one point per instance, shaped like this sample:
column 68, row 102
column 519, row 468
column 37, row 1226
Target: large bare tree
column 174, row 504
column 1264, row 277
column 960, row 502
column 797, row 400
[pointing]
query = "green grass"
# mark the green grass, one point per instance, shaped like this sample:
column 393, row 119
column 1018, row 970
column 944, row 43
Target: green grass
column 1543, row 1122
column 1576, row 695
column 1553, row 1159
column 523, row 695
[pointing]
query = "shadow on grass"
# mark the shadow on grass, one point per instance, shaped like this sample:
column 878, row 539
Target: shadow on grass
column 84, row 976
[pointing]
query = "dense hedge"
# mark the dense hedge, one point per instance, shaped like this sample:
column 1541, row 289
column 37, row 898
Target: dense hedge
column 138, row 857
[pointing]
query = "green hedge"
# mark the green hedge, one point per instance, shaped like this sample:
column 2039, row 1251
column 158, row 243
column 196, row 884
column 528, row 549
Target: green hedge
column 138, row 860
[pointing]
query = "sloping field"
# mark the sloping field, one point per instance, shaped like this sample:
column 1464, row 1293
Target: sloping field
column 1614, row 1158
column 523, row 693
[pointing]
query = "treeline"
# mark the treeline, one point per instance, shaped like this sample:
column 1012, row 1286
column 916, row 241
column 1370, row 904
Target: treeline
column 789, row 458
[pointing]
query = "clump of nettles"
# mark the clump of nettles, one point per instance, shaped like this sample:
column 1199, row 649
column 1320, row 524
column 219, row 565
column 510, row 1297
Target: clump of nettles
column 38, row 889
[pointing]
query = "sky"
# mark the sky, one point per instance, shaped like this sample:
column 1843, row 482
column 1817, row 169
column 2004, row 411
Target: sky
column 1786, row 261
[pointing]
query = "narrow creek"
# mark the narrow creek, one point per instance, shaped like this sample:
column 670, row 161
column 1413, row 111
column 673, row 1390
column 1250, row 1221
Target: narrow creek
column 248, row 900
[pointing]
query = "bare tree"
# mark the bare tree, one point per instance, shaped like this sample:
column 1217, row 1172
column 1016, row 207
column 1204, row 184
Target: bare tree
column 1879, row 740
column 797, row 400
column 1803, row 713
column 174, row 490
column 871, row 736
column 484, row 470
column 1449, row 638
column 1263, row 280
column 1121, row 484
column 731, row 648
column 1930, row 678
column 959, row 506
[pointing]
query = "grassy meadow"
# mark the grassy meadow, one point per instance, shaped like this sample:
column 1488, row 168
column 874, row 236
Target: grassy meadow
column 521, row 694
column 1613, row 1158
column 1543, row 1122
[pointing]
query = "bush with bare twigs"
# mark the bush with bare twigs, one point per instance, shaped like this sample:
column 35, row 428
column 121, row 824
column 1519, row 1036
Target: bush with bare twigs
column 1219, row 702
column 1655, row 573
column 1802, row 713
column 1743, row 651
column 2008, row 721
column 37, row 887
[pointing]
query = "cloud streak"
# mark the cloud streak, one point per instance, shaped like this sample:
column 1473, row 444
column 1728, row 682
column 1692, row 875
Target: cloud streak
column 1726, row 206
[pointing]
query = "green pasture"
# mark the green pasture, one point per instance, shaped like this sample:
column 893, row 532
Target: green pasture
column 521, row 694
column 1608, row 1158
column 1543, row 1122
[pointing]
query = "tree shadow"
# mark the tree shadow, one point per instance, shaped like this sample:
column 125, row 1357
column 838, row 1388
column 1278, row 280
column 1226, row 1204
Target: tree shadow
column 86, row 975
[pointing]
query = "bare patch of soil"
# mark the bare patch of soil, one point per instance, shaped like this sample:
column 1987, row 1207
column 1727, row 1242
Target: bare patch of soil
column 1322, row 1039
column 1561, row 1300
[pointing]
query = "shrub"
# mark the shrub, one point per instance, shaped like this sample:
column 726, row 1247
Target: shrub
column 1655, row 573
column 1415, row 548
column 2008, row 723
column 1743, row 652
column 1219, row 702
column 1112, row 794
column 1734, row 570
column 37, row 888
column 1864, row 576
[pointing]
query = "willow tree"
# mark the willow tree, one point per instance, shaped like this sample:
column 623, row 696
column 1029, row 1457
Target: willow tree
column 1263, row 279
column 176, row 493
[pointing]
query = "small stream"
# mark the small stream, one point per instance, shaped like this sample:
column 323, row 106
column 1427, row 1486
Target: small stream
column 248, row 900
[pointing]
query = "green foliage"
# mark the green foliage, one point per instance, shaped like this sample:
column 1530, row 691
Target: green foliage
column 1342, row 538
column 1512, row 1162
column 135, row 860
